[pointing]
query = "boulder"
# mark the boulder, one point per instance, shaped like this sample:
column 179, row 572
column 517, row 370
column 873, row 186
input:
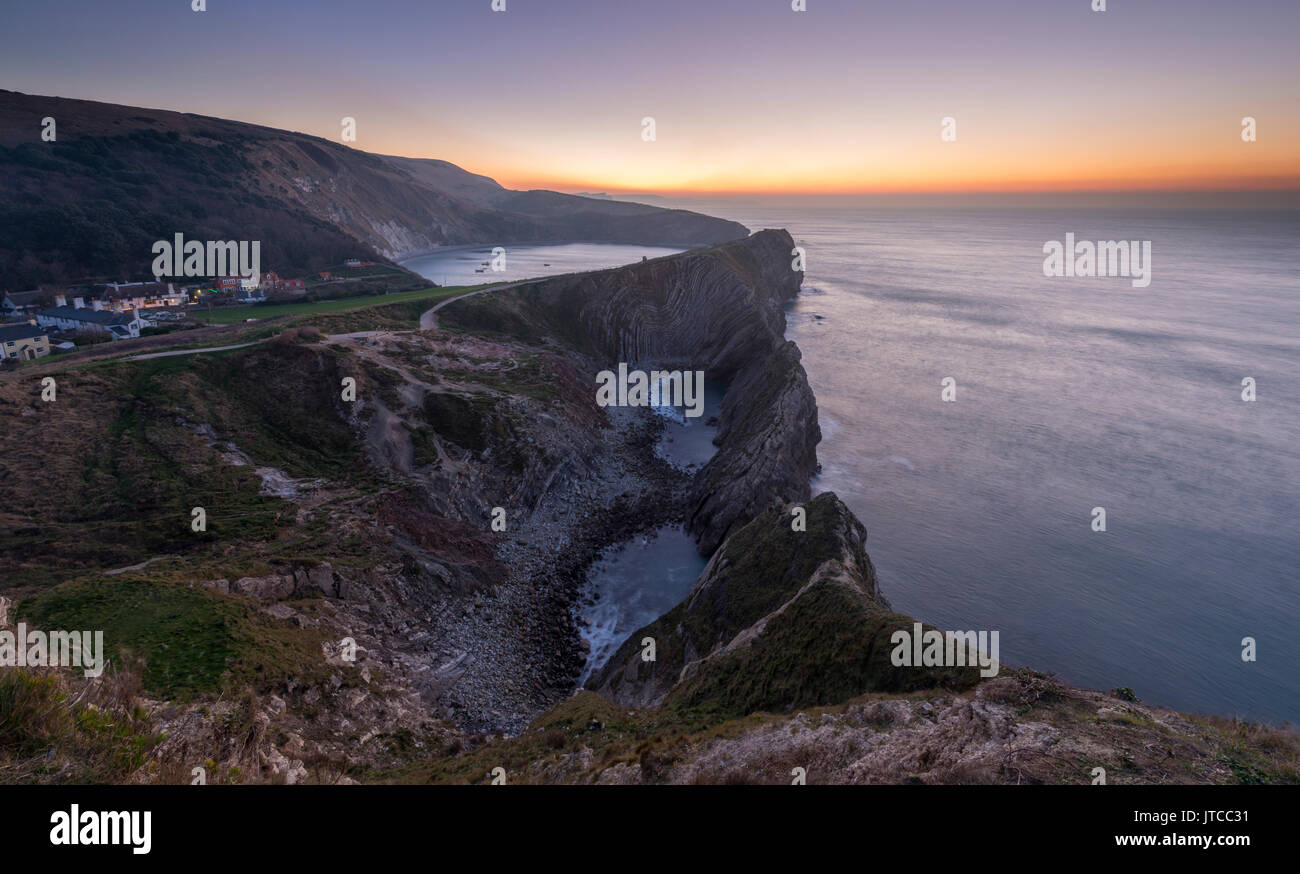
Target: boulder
column 320, row 580
column 273, row 588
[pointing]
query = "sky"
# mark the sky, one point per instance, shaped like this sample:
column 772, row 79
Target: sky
column 746, row 95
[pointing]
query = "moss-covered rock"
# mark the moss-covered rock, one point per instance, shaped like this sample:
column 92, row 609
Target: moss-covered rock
column 780, row 618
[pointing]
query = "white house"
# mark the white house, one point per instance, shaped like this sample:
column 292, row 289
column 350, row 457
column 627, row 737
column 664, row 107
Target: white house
column 119, row 326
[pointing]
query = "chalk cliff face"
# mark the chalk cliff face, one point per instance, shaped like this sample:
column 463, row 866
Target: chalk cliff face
column 719, row 310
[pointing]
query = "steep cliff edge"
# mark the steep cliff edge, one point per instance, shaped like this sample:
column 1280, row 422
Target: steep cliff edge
column 719, row 310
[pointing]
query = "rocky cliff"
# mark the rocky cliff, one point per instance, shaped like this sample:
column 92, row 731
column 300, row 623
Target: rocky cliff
column 720, row 310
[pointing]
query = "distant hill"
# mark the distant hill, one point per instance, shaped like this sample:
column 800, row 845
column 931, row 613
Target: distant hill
column 633, row 198
column 90, row 204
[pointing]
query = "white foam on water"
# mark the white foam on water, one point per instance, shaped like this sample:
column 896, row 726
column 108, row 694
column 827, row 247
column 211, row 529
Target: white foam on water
column 637, row 581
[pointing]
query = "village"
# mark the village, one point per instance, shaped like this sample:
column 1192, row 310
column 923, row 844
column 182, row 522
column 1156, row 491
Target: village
column 49, row 320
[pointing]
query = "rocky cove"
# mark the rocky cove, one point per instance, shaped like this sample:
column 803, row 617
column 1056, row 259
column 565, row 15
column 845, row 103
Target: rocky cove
column 718, row 311
column 580, row 484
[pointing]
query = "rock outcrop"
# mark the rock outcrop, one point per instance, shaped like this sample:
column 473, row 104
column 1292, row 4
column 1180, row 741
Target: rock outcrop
column 767, row 437
column 319, row 581
column 780, row 618
column 720, row 310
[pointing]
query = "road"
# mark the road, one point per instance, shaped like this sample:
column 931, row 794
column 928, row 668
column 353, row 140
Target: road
column 429, row 322
column 190, row 351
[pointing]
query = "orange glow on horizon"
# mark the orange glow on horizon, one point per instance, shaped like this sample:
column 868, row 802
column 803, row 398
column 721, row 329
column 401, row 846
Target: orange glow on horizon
column 1271, row 179
column 1289, row 183
column 1006, row 148
column 913, row 167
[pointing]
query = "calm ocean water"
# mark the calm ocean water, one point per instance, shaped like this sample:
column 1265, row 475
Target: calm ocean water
column 463, row 265
column 1071, row 394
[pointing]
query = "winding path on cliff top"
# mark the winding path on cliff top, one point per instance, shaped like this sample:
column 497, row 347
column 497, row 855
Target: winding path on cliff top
column 191, row 351
column 428, row 322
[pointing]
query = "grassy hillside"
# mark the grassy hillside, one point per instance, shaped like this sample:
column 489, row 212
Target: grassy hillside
column 425, row 297
column 107, row 475
column 90, row 204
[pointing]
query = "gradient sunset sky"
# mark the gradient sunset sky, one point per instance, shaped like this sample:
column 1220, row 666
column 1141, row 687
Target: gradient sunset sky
column 747, row 95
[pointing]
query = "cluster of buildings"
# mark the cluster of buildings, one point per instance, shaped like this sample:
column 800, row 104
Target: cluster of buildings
column 114, row 310
column 250, row 289
column 118, row 310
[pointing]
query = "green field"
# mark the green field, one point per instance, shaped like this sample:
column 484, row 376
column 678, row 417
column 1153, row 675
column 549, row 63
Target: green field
column 230, row 315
